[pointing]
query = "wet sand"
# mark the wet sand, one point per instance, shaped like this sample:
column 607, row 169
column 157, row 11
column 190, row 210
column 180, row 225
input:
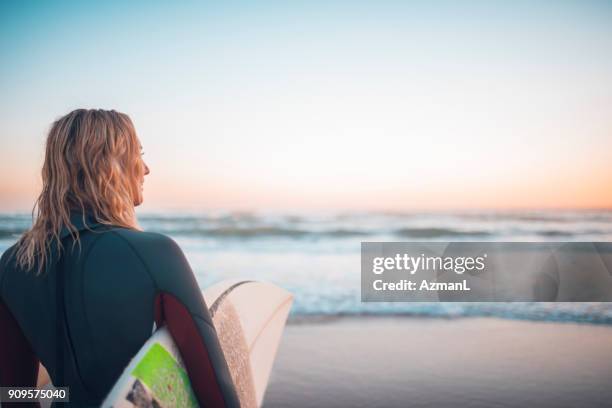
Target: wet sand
column 421, row 362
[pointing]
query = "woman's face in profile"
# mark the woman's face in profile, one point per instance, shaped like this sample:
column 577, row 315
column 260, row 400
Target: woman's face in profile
column 139, row 187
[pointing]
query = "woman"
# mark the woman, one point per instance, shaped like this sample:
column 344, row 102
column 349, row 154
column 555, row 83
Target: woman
column 84, row 288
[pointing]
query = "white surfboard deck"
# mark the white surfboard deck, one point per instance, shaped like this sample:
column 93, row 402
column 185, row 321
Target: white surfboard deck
column 249, row 318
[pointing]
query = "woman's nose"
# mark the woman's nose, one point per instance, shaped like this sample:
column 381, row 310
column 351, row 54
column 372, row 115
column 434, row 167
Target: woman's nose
column 146, row 168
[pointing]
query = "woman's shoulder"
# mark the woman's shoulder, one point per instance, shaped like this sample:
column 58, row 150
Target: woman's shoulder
column 115, row 237
column 5, row 262
column 8, row 254
column 100, row 245
column 157, row 253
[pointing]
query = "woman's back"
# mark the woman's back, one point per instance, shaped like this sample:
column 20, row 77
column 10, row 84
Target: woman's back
column 114, row 288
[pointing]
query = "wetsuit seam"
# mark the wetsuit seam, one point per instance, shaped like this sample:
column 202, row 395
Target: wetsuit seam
column 204, row 320
column 157, row 288
column 144, row 264
column 91, row 391
column 190, row 312
column 61, row 279
column 86, row 315
column 83, row 267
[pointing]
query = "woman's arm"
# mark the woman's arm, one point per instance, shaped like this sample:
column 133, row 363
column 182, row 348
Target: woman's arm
column 180, row 306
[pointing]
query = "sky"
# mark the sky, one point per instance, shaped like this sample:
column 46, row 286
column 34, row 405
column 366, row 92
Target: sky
column 339, row 105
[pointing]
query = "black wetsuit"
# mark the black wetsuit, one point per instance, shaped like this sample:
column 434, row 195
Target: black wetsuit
column 115, row 286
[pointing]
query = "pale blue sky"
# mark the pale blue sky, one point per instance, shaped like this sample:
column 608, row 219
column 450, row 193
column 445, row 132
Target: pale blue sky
column 324, row 104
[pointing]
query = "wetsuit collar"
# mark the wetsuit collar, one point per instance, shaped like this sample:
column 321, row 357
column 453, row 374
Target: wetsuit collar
column 81, row 221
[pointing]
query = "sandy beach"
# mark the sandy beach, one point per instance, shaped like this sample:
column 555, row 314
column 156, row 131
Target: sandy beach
column 424, row 362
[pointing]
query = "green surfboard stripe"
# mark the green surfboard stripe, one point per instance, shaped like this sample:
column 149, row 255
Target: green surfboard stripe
column 167, row 380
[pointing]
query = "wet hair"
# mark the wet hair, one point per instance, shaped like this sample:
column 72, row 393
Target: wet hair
column 92, row 166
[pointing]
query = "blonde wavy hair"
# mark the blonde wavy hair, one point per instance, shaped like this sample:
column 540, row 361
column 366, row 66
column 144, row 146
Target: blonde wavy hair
column 92, row 162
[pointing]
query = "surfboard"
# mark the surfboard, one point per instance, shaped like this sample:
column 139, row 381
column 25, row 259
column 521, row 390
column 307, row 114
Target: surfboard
column 249, row 318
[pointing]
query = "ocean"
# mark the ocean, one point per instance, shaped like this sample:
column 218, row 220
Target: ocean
column 317, row 256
